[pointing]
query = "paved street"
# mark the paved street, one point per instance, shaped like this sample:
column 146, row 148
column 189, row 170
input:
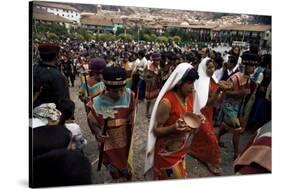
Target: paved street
column 195, row 168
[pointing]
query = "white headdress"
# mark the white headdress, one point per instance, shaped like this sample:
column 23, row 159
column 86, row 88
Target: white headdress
column 174, row 78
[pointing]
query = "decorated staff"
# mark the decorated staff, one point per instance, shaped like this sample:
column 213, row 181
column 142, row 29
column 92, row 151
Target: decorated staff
column 106, row 114
column 93, row 85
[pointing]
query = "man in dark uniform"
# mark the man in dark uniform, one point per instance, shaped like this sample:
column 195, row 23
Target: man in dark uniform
column 54, row 84
column 68, row 68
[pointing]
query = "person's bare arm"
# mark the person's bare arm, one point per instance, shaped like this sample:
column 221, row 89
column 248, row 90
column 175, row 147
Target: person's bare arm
column 236, row 93
column 212, row 97
column 162, row 115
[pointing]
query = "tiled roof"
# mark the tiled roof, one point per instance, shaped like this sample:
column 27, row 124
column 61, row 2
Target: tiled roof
column 49, row 17
column 55, row 5
column 96, row 20
column 252, row 27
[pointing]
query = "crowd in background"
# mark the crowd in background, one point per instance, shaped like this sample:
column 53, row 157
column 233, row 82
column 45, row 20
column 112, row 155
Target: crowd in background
column 139, row 71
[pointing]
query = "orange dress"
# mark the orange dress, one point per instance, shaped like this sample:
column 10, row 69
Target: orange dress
column 204, row 145
column 170, row 150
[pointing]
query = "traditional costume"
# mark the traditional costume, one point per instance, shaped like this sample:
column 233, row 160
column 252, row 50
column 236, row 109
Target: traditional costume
column 204, row 144
column 119, row 129
column 165, row 156
column 152, row 78
column 257, row 155
column 233, row 106
column 93, row 86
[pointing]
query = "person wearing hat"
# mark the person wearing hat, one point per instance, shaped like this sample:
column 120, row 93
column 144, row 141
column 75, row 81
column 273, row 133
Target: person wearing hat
column 49, row 136
column 168, row 133
column 113, row 110
column 238, row 86
column 152, row 77
column 53, row 84
column 94, row 85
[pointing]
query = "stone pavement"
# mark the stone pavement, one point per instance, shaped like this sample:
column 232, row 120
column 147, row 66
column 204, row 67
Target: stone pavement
column 195, row 168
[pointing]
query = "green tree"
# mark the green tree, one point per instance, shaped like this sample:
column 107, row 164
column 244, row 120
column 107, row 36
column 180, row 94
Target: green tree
column 52, row 36
column 162, row 39
column 87, row 36
column 153, row 37
column 80, row 37
column 120, row 30
column 106, row 37
column 147, row 37
column 127, row 37
column 176, row 39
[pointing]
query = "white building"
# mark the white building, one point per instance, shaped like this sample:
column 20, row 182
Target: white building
column 63, row 10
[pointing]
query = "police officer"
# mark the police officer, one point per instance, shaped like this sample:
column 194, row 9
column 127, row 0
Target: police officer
column 54, row 84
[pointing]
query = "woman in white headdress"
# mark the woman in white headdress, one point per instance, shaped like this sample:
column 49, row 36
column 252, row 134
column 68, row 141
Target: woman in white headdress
column 204, row 144
column 167, row 137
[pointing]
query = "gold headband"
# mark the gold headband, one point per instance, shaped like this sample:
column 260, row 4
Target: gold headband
column 249, row 62
column 115, row 82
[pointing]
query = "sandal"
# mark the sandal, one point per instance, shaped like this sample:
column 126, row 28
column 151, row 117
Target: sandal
column 214, row 169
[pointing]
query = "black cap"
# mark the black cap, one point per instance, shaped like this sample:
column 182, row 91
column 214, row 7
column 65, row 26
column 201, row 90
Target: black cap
column 114, row 77
column 48, row 51
column 250, row 58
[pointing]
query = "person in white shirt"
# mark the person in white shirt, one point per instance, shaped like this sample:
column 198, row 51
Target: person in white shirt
column 140, row 71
